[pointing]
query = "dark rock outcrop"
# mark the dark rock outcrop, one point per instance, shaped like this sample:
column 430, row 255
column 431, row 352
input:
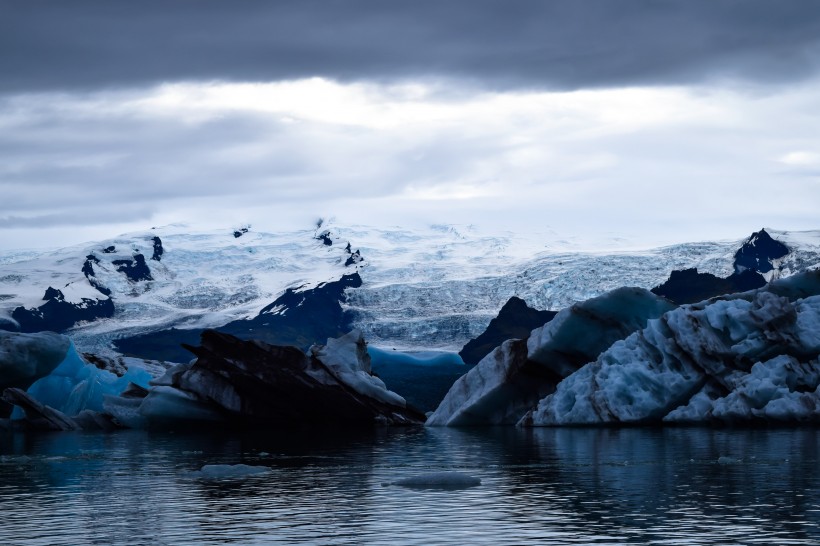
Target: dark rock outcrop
column 240, row 232
column 325, row 238
column 57, row 315
column 515, row 320
column 756, row 256
column 689, row 286
column 299, row 317
column 158, row 250
column 353, row 259
column 758, row 252
column 109, row 249
column 136, row 270
column 88, row 271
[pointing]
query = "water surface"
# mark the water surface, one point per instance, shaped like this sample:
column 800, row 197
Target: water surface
column 545, row 486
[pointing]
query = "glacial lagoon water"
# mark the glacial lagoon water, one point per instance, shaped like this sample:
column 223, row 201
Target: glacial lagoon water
column 544, row 486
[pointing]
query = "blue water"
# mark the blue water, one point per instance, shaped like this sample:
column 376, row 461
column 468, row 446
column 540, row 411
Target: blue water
column 551, row 486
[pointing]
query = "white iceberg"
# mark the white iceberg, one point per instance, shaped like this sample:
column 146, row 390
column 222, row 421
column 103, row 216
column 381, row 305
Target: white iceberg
column 741, row 358
column 229, row 471
column 438, row 480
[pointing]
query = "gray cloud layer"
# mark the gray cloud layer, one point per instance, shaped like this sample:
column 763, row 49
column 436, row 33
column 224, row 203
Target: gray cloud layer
column 565, row 44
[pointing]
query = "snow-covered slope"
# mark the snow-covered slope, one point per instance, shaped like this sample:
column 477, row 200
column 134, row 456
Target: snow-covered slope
column 200, row 280
column 428, row 288
column 442, row 287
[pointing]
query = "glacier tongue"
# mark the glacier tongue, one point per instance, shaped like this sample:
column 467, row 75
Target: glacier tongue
column 750, row 356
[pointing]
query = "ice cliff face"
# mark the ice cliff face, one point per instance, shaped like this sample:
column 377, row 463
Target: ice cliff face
column 738, row 359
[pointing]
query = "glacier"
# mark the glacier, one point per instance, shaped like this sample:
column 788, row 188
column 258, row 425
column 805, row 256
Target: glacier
column 737, row 359
column 426, row 288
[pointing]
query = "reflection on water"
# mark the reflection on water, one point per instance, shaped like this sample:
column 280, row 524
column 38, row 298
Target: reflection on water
column 545, row 486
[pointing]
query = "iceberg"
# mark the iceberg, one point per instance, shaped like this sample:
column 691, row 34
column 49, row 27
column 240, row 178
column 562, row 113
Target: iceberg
column 743, row 358
column 75, row 385
column 509, row 381
column 438, row 480
column 237, row 383
column 25, row 358
column 229, row 471
column 347, row 360
column 52, row 387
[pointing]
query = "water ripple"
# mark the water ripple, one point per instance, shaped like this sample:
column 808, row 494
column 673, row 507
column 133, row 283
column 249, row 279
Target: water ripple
column 547, row 487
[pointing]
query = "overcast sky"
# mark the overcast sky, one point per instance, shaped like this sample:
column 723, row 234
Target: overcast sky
column 659, row 121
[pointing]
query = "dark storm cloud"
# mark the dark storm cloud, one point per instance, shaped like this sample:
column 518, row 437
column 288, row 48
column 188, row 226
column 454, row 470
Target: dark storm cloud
column 498, row 44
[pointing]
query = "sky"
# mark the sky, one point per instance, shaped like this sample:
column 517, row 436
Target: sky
column 651, row 121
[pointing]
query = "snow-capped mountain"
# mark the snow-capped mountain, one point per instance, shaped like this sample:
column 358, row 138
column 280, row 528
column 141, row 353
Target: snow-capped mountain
column 430, row 288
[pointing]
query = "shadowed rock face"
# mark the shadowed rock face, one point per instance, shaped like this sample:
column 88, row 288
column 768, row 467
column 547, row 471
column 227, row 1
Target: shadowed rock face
column 136, row 270
column 251, row 383
column 754, row 258
column 297, row 317
column 689, row 286
column 758, row 253
column 514, row 321
column 88, row 271
column 158, row 250
column 57, row 314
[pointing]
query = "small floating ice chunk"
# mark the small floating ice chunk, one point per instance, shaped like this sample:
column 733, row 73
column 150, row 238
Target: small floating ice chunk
column 438, row 480
column 231, row 471
column 727, row 460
